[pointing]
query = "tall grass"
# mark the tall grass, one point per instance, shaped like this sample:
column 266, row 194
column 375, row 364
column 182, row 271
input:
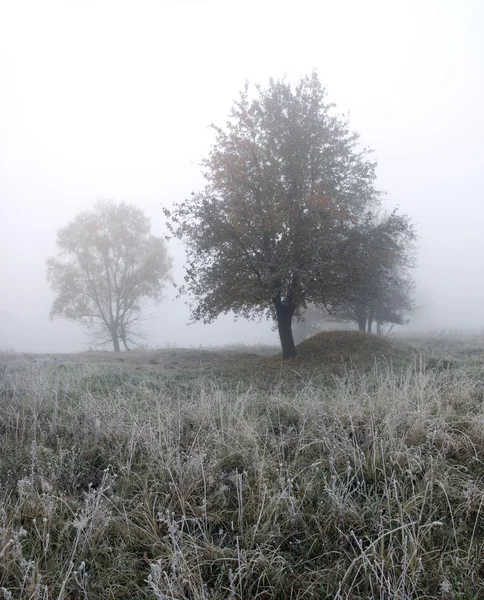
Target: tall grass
column 118, row 485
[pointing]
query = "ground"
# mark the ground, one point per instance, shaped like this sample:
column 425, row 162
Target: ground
column 353, row 471
column 330, row 351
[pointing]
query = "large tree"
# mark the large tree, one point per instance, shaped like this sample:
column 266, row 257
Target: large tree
column 287, row 181
column 108, row 268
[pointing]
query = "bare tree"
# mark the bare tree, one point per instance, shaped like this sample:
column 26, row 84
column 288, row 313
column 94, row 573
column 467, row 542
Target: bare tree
column 109, row 267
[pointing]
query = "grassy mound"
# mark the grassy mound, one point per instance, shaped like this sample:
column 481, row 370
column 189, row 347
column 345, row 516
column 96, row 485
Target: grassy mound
column 342, row 348
column 320, row 357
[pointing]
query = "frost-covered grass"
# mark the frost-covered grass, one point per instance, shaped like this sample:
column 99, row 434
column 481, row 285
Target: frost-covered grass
column 127, row 484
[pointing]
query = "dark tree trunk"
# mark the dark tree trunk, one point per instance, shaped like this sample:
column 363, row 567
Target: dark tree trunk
column 362, row 322
column 361, row 318
column 378, row 328
column 284, row 324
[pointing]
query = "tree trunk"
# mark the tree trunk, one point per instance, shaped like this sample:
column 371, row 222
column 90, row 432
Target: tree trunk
column 370, row 321
column 361, row 317
column 115, row 338
column 126, row 347
column 378, row 328
column 284, row 325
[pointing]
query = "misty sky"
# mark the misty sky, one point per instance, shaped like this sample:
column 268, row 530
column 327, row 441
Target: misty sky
column 113, row 99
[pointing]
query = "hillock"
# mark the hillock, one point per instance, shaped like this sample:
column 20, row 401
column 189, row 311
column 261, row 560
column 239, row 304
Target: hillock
column 336, row 349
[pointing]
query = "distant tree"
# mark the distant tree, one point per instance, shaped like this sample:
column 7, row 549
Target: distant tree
column 312, row 320
column 396, row 306
column 286, row 184
column 381, row 289
column 108, row 268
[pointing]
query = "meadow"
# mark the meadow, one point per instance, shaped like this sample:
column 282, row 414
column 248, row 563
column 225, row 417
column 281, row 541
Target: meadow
column 353, row 472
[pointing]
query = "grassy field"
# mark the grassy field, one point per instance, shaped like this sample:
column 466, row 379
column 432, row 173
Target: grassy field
column 353, row 472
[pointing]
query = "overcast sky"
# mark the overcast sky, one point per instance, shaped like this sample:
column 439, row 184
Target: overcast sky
column 113, row 99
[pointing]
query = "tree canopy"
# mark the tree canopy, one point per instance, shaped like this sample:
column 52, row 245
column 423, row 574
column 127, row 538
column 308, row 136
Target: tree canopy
column 382, row 286
column 109, row 266
column 288, row 186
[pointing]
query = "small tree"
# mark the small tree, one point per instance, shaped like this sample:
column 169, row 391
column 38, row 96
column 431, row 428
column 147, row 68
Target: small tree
column 286, row 183
column 109, row 267
column 393, row 306
column 397, row 304
column 382, row 288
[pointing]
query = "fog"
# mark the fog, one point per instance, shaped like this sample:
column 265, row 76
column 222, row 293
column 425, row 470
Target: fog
column 110, row 99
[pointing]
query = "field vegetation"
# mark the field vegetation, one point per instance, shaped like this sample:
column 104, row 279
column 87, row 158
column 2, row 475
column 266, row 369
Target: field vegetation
column 355, row 471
